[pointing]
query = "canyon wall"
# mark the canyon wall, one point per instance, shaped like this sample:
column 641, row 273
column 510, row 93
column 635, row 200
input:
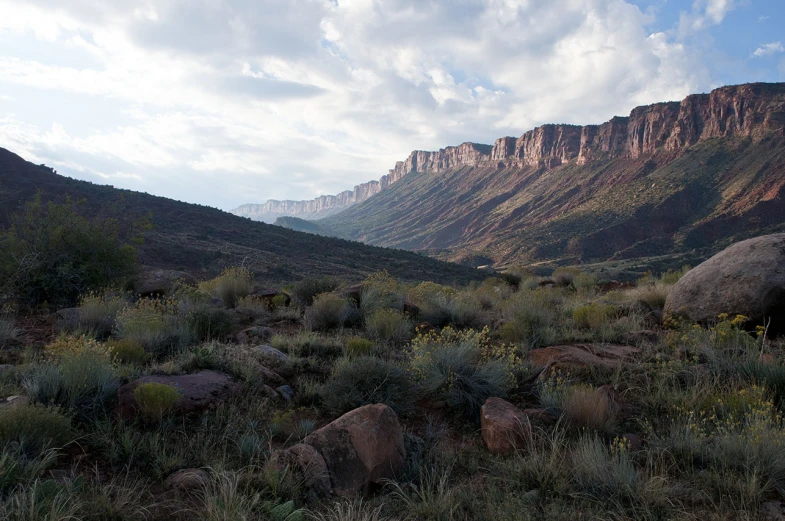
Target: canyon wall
column 749, row 110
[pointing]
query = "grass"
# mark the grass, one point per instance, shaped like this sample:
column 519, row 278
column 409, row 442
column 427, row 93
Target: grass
column 705, row 401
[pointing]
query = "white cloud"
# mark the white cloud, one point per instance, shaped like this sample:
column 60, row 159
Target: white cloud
column 230, row 101
column 705, row 13
column 768, row 48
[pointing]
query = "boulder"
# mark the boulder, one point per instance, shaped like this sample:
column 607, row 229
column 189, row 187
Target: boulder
column 360, row 449
column 748, row 278
column 581, row 356
column 187, row 479
column 252, row 334
column 505, row 427
column 308, row 463
column 271, row 352
column 286, row 392
column 198, row 392
column 156, row 281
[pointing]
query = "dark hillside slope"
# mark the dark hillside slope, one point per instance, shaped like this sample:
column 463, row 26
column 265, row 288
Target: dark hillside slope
column 203, row 240
column 672, row 178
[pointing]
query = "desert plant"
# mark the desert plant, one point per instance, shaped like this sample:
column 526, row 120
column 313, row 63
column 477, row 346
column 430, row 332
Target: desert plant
column 530, row 320
column 388, row 325
column 229, row 286
column 652, row 296
column 368, row 380
column 357, row 346
column 306, row 290
column 155, row 400
column 53, row 254
column 127, row 351
column 156, row 325
column 210, row 323
column 350, row 511
column 564, row 276
column 97, row 314
column 35, row 427
column 434, row 498
column 7, row 330
column 227, row 498
column 589, row 408
column 594, row 315
column 603, row 471
column 330, row 311
column 462, row 310
column 584, row 281
column 42, row 501
column 453, row 366
column 18, row 466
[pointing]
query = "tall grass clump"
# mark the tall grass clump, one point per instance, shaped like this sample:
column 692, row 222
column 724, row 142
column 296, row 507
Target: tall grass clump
column 330, row 311
column 564, row 276
column 389, row 325
column 350, row 511
column 380, row 291
column 306, row 290
column 462, row 368
column 462, row 310
column 367, row 380
column 156, row 325
column 155, row 400
column 531, row 318
column 601, row 471
column 35, row 428
column 97, row 314
column 8, row 332
column 42, row 500
column 230, row 286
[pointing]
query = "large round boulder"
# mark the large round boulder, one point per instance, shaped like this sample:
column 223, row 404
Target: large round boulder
column 505, row 427
column 361, row 448
column 748, row 278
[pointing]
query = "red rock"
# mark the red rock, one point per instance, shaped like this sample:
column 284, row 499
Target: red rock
column 361, row 448
column 505, row 427
column 580, row 356
column 305, row 460
column 199, row 391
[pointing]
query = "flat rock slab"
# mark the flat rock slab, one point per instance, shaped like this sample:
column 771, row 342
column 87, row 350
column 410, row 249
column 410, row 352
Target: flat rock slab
column 581, row 356
column 198, row 392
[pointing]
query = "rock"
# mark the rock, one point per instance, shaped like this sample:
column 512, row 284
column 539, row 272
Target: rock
column 69, row 315
column 199, row 391
column 634, row 442
column 258, row 333
column 644, row 336
column 270, row 392
column 307, row 461
column 748, row 278
column 270, row 377
column 187, row 479
column 505, row 427
column 361, row 448
column 353, row 293
column 156, row 281
column 14, row 401
column 543, row 415
column 271, row 352
column 581, row 356
column 286, row 392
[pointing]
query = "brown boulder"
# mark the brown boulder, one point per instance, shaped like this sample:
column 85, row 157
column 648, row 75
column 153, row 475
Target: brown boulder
column 308, row 463
column 156, row 281
column 198, row 392
column 504, row 426
column 361, row 448
column 748, row 278
column 187, row 479
column 581, row 356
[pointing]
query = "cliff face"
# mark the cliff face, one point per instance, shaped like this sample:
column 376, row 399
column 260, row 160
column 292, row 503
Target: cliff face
column 741, row 110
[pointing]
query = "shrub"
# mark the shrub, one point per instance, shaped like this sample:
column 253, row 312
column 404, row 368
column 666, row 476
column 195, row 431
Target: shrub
column 652, row 296
column 156, row 325
column 459, row 310
column 376, row 298
column 594, row 315
column 34, row 427
column 306, row 290
column 17, row 466
column 357, row 346
column 42, row 501
column 229, row 286
column 588, row 407
column 330, row 311
column 460, row 369
column 127, row 351
column 388, row 325
column 367, row 380
column 584, row 281
column 53, row 254
column 155, row 400
column 529, row 319
column 350, row 511
column 564, row 276
column 7, row 330
column 97, row 314
column 210, row 323
column 601, row 471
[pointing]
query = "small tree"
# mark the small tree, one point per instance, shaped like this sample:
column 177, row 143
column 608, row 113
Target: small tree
column 51, row 253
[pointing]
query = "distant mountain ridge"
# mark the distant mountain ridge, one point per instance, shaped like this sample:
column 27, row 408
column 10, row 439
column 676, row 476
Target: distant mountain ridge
column 669, row 177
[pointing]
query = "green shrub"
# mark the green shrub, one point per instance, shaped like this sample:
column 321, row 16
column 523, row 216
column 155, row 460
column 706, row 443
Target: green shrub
column 459, row 310
column 97, row 314
column 455, row 367
column 53, row 254
column 367, row 380
column 210, row 323
column 603, row 471
column 584, row 281
column 7, row 330
column 388, row 325
column 330, row 311
column 564, row 276
column 306, row 290
column 594, row 315
column 155, row 400
column 652, row 296
column 35, row 427
column 127, row 351
column 229, row 286
column 357, row 346
column 375, row 298
column 156, row 325
column 42, row 501
column 529, row 319
column 18, row 466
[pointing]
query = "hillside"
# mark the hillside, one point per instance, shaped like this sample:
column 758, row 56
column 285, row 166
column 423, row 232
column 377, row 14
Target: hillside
column 672, row 178
column 203, row 240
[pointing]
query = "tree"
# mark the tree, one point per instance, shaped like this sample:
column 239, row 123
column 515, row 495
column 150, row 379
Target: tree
column 52, row 254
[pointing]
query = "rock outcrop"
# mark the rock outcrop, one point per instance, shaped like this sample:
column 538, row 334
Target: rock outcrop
column 747, row 110
column 748, row 278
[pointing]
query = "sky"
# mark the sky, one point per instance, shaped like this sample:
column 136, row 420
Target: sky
column 225, row 102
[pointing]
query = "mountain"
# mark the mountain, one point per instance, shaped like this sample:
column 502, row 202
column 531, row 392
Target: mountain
column 204, row 240
column 671, row 178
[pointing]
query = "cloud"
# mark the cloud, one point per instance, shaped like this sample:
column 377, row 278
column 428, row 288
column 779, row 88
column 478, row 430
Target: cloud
column 705, row 13
column 231, row 101
column 768, row 48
